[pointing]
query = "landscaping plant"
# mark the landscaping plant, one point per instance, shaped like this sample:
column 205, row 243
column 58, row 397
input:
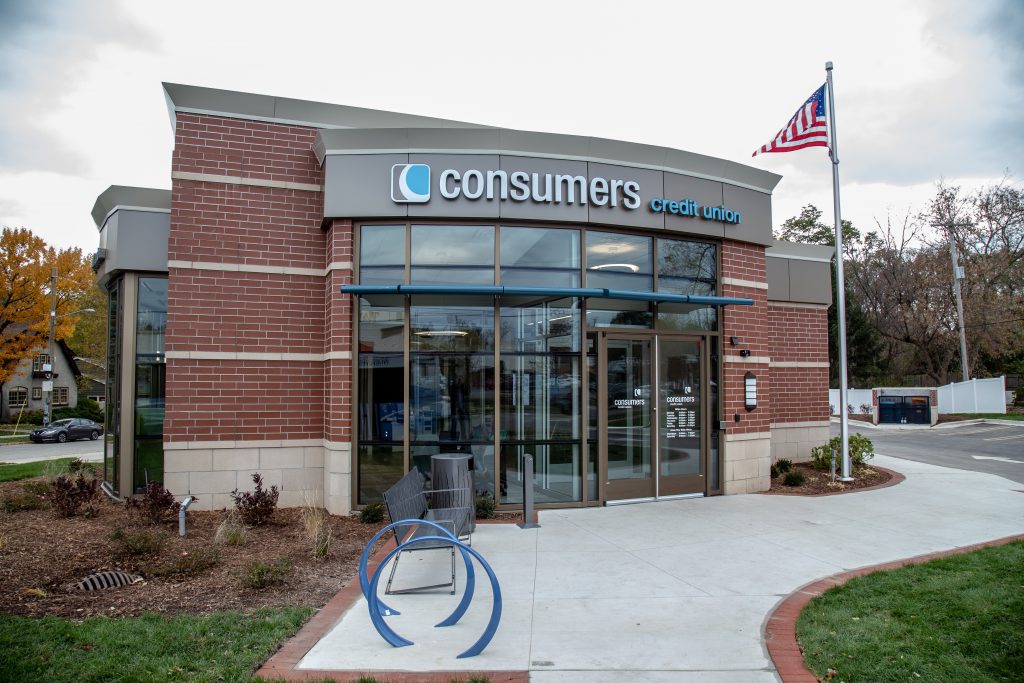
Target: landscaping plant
column 259, row 575
column 484, row 507
column 317, row 523
column 256, row 507
column 70, row 494
column 156, row 504
column 794, row 478
column 784, row 464
column 372, row 513
column 231, row 531
column 861, row 450
column 138, row 544
column 774, row 471
column 16, row 502
column 189, row 563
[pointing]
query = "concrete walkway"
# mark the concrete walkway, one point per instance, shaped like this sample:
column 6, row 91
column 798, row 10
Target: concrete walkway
column 670, row 591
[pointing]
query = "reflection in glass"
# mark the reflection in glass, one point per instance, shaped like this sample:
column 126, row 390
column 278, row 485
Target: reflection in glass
column 382, row 275
column 382, row 245
column 556, row 472
column 714, row 464
column 629, row 411
column 539, row 248
column 450, row 328
column 683, row 259
column 111, row 432
column 452, row 245
column 451, row 398
column 532, row 277
column 619, row 314
column 381, row 400
column 686, row 317
column 150, row 381
column 451, row 276
column 379, row 467
column 482, row 463
column 614, row 252
column 381, row 327
column 152, row 316
column 540, row 397
column 549, row 326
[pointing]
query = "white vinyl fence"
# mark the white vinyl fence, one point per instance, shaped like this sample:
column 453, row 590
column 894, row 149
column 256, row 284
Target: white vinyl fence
column 854, row 397
column 974, row 396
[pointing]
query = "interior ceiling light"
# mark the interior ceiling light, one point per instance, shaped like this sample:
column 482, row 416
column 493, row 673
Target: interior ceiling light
column 612, row 248
column 442, row 333
column 633, row 268
column 561, row 317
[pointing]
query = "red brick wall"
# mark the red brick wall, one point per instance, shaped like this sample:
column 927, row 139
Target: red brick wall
column 741, row 261
column 338, row 417
column 225, row 310
column 799, row 334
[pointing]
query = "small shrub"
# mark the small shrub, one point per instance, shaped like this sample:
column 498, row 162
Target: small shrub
column 256, row 507
column 87, row 407
column 484, row 507
column 260, row 575
column 865, row 408
column 372, row 513
column 16, row 502
column 156, row 504
column 774, row 471
column 231, row 531
column 37, row 487
column 784, row 464
column 32, row 417
column 71, row 494
column 79, row 466
column 861, row 450
column 137, row 544
column 794, row 478
column 189, row 563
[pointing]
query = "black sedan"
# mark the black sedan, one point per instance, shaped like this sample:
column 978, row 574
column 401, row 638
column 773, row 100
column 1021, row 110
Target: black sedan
column 67, row 430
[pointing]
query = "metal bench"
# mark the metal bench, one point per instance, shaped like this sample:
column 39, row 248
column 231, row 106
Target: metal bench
column 408, row 499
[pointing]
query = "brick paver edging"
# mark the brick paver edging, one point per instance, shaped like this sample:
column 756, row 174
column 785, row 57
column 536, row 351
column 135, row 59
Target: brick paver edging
column 780, row 626
column 281, row 666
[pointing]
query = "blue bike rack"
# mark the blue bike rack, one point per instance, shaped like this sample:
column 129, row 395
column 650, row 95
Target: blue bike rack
column 379, row 610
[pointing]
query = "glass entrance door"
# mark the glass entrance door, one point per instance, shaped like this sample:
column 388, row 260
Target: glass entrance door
column 651, row 416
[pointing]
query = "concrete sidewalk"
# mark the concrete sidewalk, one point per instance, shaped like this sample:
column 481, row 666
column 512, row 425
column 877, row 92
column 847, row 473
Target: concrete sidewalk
column 670, row 591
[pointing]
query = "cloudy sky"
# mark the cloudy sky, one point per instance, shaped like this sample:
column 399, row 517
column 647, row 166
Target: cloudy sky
column 925, row 89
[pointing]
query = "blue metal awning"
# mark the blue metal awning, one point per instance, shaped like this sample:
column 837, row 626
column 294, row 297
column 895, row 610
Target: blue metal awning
column 546, row 292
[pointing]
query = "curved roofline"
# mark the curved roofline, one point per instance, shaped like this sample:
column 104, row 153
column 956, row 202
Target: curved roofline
column 356, row 130
column 118, row 197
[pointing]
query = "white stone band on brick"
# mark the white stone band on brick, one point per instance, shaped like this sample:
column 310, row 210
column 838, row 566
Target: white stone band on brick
column 736, row 282
column 266, row 443
column 788, row 425
column 759, row 360
column 239, row 180
column 751, row 436
column 799, row 364
column 249, row 268
column 792, row 304
column 252, row 355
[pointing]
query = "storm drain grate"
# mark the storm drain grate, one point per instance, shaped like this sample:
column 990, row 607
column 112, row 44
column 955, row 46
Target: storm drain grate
column 103, row 580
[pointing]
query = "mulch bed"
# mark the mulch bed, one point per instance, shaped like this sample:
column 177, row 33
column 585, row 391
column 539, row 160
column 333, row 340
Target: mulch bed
column 42, row 555
column 818, row 482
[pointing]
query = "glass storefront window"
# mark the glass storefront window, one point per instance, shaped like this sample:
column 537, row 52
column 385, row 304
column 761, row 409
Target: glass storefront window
column 150, row 380
column 540, row 397
column 381, row 328
column 550, row 326
column 452, row 254
column 683, row 317
column 112, row 410
column 378, row 468
column 450, row 328
column 617, row 261
column 539, row 257
column 451, row 398
column 382, row 245
column 381, row 400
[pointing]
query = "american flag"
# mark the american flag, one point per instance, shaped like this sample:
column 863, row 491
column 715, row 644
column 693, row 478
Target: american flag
column 807, row 128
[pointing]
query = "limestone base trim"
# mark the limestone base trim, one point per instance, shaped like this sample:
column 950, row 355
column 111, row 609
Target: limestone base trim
column 795, row 440
column 747, row 463
column 316, row 469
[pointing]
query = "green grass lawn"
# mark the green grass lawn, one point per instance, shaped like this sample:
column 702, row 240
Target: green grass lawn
column 224, row 646
column 957, row 619
column 992, row 416
column 26, row 470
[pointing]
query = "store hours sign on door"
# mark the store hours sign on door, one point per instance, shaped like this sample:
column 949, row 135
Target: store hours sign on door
column 680, row 417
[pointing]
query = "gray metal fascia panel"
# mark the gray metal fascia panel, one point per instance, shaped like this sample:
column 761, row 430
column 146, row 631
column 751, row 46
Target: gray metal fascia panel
column 531, row 143
column 798, row 250
column 778, row 279
column 628, row 153
column 459, row 140
column 129, row 197
column 809, row 281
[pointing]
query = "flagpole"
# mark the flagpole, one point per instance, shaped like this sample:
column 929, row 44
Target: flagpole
column 844, row 426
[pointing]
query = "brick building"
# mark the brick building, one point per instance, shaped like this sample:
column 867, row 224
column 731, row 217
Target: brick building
column 331, row 295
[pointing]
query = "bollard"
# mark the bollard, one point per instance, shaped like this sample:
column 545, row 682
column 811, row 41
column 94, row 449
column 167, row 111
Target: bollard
column 181, row 514
column 528, row 513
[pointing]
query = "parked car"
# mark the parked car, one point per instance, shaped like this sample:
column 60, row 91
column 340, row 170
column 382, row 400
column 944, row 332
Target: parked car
column 67, row 430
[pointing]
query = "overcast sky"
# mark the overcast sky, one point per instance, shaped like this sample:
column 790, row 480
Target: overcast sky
column 925, row 89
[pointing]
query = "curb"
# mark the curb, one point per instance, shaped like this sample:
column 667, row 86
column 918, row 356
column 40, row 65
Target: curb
column 780, row 625
column 282, row 664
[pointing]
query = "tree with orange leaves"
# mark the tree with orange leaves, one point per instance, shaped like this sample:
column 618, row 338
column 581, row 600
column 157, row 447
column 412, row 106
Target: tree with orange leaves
column 25, row 266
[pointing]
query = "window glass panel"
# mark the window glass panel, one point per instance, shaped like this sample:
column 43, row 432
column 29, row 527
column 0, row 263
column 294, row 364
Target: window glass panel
column 382, row 245
column 382, row 275
column 679, row 258
column 539, row 248
column 683, row 285
column 379, row 467
column 556, row 472
column 452, row 245
column 540, row 397
column 620, row 314
column 152, row 316
column 529, row 277
column 482, row 463
column 612, row 252
column 381, row 328
column 451, row 276
column 381, row 401
column 451, row 398
column 17, row 397
column 687, row 317
column 436, row 328
column 620, row 280
column 552, row 326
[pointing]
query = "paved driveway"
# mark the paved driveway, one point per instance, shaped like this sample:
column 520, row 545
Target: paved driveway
column 25, row 452
column 671, row 591
column 985, row 447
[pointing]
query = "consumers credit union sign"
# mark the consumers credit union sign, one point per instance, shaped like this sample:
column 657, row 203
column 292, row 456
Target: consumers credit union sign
column 416, row 183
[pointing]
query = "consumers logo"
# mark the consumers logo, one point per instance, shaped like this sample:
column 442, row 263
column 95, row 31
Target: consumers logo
column 410, row 183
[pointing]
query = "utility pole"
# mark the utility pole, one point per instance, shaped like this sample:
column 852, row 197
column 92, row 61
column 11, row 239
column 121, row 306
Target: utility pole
column 958, row 275
column 48, row 407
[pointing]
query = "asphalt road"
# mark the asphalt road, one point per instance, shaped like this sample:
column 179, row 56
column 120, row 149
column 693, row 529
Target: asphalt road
column 25, row 452
column 992, row 448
